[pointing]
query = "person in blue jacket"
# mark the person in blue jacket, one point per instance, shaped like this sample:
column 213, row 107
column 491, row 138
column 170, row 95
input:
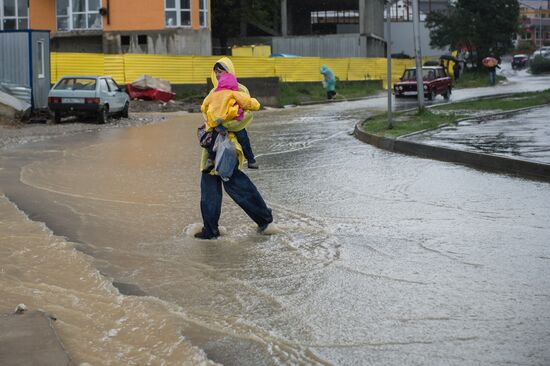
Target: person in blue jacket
column 329, row 82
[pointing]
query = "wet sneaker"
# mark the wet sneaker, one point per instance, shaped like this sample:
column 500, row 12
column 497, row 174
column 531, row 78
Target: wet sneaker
column 205, row 235
column 253, row 165
column 208, row 166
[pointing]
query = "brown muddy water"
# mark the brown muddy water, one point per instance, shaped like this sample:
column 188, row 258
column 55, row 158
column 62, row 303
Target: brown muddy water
column 379, row 259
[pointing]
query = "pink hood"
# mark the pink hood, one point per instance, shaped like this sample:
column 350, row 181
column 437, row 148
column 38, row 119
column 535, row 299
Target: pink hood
column 227, row 82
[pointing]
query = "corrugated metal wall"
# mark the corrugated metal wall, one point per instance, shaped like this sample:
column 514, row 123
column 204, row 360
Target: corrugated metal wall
column 321, row 46
column 15, row 58
column 196, row 69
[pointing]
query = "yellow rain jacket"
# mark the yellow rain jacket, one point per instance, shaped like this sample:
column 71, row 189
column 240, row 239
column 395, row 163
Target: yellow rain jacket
column 225, row 104
column 232, row 125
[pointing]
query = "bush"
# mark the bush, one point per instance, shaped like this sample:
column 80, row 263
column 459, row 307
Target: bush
column 540, row 65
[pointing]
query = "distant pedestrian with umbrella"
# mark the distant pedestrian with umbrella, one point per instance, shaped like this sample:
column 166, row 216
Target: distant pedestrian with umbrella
column 491, row 63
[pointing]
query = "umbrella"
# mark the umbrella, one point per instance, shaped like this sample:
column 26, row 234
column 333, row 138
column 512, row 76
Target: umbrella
column 449, row 58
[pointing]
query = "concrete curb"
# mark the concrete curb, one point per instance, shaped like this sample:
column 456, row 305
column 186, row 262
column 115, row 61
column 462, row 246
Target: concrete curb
column 493, row 163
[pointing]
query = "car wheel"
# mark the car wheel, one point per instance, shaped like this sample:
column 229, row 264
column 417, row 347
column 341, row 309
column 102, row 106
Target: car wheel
column 431, row 95
column 447, row 94
column 103, row 114
column 57, row 117
column 124, row 112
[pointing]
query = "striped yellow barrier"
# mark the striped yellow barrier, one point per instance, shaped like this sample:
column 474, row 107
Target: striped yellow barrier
column 196, row 69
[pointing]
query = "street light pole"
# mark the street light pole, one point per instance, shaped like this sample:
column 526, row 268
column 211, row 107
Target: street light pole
column 388, row 58
column 540, row 26
column 416, row 34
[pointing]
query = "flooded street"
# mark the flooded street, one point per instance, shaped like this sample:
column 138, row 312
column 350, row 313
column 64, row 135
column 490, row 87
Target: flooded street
column 380, row 259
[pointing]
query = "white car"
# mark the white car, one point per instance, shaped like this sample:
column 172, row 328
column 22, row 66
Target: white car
column 88, row 95
column 543, row 51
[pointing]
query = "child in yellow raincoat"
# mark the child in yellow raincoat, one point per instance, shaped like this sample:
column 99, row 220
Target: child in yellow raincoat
column 227, row 103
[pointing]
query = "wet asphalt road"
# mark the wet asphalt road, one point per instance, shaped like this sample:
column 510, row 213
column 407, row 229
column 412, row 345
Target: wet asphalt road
column 380, row 259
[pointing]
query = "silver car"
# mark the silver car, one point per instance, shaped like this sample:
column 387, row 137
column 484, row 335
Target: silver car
column 99, row 96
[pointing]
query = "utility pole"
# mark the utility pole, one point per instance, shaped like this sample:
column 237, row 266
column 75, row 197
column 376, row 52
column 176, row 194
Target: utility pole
column 388, row 58
column 419, row 80
column 540, row 26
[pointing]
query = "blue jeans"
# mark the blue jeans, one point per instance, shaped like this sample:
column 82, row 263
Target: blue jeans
column 241, row 189
column 493, row 76
column 242, row 137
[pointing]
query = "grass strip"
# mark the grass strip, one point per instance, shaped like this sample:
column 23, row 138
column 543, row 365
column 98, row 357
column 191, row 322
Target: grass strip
column 414, row 121
column 297, row 93
column 515, row 101
column 475, row 79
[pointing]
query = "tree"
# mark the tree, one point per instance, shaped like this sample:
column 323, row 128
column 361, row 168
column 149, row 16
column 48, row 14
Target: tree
column 479, row 26
column 241, row 18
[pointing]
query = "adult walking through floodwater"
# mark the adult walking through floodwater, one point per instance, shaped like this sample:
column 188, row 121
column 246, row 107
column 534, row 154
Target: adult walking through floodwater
column 239, row 187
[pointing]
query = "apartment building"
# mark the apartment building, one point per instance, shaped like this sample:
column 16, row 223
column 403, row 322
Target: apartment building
column 535, row 21
column 176, row 27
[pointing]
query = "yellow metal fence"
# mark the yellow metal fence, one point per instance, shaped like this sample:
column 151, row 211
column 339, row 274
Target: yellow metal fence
column 195, row 69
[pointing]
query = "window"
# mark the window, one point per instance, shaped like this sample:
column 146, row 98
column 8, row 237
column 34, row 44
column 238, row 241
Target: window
column 14, row 14
column 124, row 40
column 40, row 57
column 76, row 84
column 335, row 17
column 177, row 13
column 203, row 13
column 142, row 39
column 113, row 85
column 78, row 14
column 103, row 86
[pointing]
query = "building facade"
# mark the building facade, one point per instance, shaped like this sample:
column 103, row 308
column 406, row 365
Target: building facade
column 332, row 28
column 535, row 16
column 180, row 27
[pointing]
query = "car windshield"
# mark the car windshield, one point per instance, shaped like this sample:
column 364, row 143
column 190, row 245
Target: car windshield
column 76, row 84
column 427, row 74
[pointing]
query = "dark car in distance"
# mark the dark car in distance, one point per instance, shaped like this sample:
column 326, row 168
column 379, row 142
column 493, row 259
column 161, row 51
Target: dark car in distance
column 435, row 79
column 520, row 62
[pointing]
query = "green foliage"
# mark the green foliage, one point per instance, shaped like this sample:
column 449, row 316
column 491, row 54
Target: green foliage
column 298, row 93
column 475, row 78
column 476, row 25
column 228, row 15
column 514, row 101
column 409, row 122
column 539, row 65
column 406, row 122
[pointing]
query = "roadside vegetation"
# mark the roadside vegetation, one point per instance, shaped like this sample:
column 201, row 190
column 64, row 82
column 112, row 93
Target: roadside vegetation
column 540, row 65
column 300, row 93
column 476, row 78
column 413, row 121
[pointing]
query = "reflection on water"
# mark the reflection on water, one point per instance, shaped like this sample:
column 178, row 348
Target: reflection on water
column 380, row 258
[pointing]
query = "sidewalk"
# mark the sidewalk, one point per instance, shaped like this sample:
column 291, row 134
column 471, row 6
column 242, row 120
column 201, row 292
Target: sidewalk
column 30, row 339
column 523, row 136
column 518, row 144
